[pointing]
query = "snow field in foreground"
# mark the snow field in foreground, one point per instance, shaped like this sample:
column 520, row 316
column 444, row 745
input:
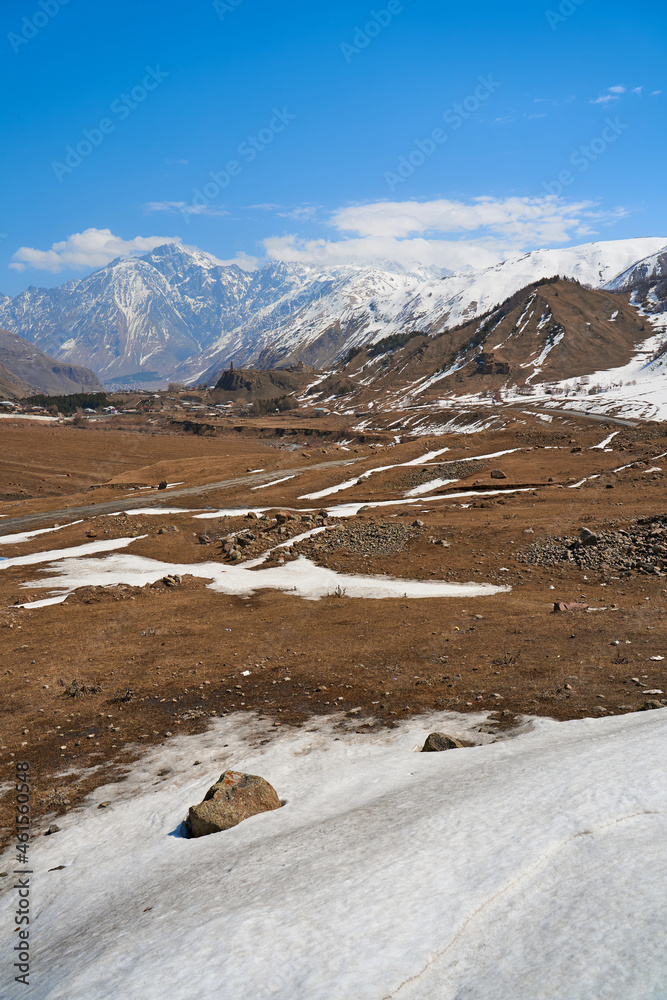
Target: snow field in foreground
column 528, row 869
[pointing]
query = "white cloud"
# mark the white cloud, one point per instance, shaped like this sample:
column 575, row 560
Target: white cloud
column 90, row 249
column 453, row 255
column 614, row 94
column 518, row 220
column 301, row 213
column 243, row 260
column 182, row 208
column 431, row 233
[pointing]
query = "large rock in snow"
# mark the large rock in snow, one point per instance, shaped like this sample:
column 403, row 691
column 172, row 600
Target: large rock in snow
column 233, row 798
column 436, row 742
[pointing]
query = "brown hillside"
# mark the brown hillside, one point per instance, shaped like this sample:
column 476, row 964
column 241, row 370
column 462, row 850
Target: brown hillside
column 546, row 333
column 11, row 386
column 250, row 384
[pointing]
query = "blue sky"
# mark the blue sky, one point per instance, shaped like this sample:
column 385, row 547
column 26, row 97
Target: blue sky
column 451, row 134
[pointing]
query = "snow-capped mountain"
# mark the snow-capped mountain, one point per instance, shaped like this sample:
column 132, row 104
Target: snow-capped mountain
column 647, row 281
column 179, row 313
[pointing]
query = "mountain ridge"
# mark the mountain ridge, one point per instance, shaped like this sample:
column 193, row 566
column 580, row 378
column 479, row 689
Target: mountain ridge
column 179, row 312
column 26, row 370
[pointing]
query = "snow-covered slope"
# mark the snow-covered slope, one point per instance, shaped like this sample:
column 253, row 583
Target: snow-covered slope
column 652, row 268
column 647, row 282
column 532, row 868
column 365, row 304
column 177, row 312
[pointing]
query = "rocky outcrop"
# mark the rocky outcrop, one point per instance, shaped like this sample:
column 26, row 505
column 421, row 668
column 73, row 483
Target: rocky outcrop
column 435, row 742
column 233, row 798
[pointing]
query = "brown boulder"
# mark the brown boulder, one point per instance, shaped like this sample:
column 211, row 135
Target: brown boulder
column 498, row 474
column 233, row 798
column 436, row 742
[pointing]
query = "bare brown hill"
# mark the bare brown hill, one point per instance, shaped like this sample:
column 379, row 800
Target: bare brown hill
column 40, row 372
column 250, row 384
column 549, row 331
column 11, row 386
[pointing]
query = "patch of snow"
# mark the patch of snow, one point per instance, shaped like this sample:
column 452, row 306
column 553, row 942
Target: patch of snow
column 433, row 484
column 72, row 551
column 275, row 482
column 301, row 576
column 151, row 510
column 28, row 416
column 532, row 868
column 25, row 536
column 603, row 444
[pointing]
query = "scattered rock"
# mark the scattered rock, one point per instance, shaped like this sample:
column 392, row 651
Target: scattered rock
column 75, row 689
column 498, row 474
column 638, row 549
column 162, row 485
column 570, row 606
column 54, row 828
column 362, row 538
column 446, row 470
column 435, row 742
column 233, row 798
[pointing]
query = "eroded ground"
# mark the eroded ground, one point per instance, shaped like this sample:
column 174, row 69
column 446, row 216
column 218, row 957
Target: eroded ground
column 86, row 682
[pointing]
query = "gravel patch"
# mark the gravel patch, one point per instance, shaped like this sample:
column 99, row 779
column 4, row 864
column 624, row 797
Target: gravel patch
column 446, row 470
column 364, row 539
column 640, row 548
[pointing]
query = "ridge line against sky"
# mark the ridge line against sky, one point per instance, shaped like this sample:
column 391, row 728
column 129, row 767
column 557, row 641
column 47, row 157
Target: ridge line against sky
column 414, row 131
